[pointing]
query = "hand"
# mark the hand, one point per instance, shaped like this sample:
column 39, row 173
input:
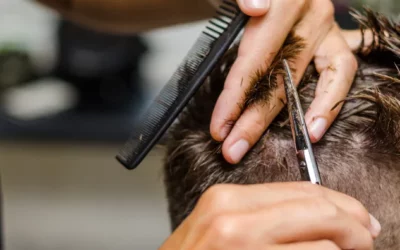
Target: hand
column 275, row 216
column 270, row 23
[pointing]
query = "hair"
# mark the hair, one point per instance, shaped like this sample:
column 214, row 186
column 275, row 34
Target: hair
column 359, row 155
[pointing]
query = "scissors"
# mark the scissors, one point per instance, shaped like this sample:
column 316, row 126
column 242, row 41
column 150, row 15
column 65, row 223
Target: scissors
column 308, row 166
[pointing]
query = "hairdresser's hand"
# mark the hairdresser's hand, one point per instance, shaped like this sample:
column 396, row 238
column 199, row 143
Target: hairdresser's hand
column 265, row 33
column 276, row 216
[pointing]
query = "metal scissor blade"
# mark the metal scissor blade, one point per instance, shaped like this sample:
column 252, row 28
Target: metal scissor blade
column 296, row 115
column 307, row 163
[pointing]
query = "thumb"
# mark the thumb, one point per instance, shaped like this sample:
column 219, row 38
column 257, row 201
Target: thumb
column 249, row 7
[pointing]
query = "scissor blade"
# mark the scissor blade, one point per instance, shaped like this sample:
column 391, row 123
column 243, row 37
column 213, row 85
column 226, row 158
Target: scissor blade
column 307, row 163
column 295, row 110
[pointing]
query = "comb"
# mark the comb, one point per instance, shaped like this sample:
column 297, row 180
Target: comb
column 208, row 49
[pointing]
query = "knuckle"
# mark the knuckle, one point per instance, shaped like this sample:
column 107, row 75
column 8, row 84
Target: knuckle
column 224, row 228
column 310, row 189
column 358, row 210
column 257, row 126
column 217, row 198
column 252, row 132
column 327, row 209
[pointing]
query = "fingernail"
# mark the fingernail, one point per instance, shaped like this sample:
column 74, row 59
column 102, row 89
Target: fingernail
column 375, row 227
column 257, row 4
column 318, row 128
column 238, row 150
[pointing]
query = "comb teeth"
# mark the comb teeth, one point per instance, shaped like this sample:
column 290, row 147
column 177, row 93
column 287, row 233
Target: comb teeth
column 200, row 60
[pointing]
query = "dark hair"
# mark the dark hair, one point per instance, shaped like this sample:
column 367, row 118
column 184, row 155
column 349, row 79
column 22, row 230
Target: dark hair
column 359, row 155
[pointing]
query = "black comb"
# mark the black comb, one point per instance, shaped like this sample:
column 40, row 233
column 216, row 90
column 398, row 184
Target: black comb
column 212, row 44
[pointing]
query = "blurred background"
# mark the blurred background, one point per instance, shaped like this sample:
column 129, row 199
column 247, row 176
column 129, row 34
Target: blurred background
column 68, row 99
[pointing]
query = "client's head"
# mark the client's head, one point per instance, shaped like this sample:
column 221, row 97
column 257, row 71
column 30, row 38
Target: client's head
column 359, row 155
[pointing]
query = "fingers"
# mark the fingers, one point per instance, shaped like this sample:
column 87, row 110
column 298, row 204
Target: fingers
column 252, row 55
column 337, row 67
column 221, row 199
column 252, row 123
column 254, row 7
column 274, row 216
column 316, row 245
column 228, row 199
column 250, row 126
column 249, row 7
column 286, row 222
column 313, row 219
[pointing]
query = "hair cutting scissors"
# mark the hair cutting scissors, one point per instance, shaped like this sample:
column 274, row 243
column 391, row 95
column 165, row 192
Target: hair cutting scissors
column 308, row 166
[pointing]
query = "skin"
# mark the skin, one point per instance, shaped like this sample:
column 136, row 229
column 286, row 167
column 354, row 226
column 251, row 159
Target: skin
column 222, row 212
column 327, row 45
column 275, row 216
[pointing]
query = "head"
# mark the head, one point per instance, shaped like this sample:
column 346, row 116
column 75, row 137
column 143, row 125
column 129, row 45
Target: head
column 359, row 155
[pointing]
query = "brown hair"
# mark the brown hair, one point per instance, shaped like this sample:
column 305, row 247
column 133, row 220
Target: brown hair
column 359, row 155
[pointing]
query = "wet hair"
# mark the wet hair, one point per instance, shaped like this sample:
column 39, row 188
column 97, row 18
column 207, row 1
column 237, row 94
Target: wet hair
column 359, row 155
